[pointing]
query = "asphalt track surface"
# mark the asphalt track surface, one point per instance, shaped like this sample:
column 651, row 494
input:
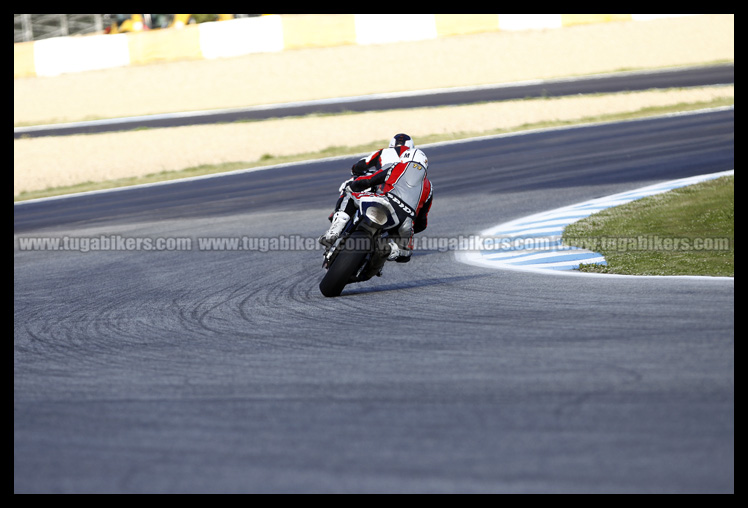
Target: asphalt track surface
column 680, row 77
column 190, row 371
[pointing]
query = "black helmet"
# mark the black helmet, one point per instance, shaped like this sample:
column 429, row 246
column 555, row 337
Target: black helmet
column 401, row 139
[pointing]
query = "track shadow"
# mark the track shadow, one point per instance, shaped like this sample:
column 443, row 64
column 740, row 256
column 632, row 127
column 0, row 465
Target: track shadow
column 354, row 290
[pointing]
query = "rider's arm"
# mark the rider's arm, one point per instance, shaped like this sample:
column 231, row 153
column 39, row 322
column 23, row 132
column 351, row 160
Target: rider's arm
column 367, row 163
column 364, row 182
column 359, row 168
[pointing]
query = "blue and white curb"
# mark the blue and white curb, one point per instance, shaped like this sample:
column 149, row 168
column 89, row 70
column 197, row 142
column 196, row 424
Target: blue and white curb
column 534, row 243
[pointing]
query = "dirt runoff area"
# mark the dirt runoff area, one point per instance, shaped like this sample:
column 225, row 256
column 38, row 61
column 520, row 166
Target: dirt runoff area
column 342, row 71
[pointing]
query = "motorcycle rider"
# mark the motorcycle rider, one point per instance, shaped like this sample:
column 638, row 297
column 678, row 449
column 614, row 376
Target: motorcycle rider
column 374, row 162
column 369, row 165
column 407, row 188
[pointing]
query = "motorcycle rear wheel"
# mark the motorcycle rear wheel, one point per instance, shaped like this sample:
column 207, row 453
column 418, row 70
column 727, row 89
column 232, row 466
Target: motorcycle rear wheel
column 345, row 265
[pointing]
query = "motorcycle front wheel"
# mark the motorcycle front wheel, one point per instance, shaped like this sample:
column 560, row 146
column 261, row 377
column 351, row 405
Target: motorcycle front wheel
column 347, row 262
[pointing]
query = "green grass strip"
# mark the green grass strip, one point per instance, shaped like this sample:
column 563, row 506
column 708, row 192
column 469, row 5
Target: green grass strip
column 686, row 231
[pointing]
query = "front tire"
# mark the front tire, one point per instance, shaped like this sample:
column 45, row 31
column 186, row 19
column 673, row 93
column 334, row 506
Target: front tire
column 347, row 262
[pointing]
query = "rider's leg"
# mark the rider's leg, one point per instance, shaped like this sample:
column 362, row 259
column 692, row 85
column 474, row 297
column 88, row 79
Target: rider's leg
column 339, row 220
column 401, row 244
column 346, row 209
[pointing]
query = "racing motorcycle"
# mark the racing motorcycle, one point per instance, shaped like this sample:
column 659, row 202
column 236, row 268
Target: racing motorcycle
column 363, row 247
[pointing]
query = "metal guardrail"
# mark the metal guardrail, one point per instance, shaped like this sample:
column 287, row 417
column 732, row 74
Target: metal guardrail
column 34, row 27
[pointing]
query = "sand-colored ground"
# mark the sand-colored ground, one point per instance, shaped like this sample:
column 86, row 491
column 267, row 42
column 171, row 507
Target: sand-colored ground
column 38, row 164
column 331, row 72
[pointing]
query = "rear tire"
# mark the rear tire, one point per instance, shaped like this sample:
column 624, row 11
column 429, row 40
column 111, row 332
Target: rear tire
column 345, row 264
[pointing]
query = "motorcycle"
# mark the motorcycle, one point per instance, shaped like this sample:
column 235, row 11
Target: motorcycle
column 364, row 245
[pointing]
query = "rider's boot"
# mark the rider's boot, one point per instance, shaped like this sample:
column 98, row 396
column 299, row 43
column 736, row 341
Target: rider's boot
column 339, row 220
column 397, row 253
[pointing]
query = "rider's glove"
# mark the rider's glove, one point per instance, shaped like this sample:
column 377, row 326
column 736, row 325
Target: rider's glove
column 345, row 187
